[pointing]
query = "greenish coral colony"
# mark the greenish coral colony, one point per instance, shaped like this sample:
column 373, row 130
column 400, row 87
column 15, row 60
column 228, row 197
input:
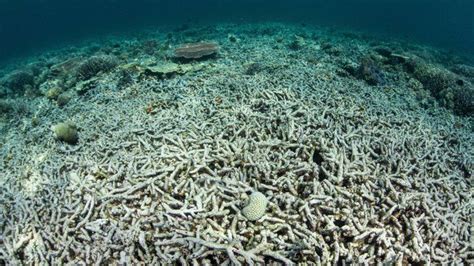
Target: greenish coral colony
column 66, row 132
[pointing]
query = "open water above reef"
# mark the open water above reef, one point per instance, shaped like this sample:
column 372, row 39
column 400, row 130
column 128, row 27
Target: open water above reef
column 26, row 26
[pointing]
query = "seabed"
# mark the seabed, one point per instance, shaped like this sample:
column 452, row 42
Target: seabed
column 362, row 148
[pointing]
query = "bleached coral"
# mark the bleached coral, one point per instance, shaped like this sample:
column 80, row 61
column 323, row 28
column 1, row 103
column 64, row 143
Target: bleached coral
column 256, row 206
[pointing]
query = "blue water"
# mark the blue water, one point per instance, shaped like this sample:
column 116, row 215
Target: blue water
column 27, row 26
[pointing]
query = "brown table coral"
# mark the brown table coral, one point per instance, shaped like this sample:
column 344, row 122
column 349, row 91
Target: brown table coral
column 196, row 50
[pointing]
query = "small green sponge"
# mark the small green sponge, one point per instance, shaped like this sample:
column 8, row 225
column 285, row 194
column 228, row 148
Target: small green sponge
column 256, row 206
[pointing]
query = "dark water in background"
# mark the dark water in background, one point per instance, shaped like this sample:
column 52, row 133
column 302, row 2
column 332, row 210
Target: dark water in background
column 27, row 26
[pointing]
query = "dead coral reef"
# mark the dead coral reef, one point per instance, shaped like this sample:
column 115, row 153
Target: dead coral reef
column 297, row 165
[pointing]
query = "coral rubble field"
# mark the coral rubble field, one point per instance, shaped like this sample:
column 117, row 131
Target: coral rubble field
column 121, row 151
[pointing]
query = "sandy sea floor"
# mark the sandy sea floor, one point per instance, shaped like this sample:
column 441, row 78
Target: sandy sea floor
column 361, row 159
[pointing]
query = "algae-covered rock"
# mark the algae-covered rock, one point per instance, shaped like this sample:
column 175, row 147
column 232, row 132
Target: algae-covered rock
column 63, row 98
column 53, row 93
column 66, row 132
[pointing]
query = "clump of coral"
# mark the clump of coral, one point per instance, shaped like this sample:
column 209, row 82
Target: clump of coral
column 447, row 87
column 370, row 72
column 5, row 107
column 434, row 78
column 95, row 64
column 66, row 132
column 463, row 101
column 12, row 108
column 256, row 206
column 18, row 81
column 63, row 98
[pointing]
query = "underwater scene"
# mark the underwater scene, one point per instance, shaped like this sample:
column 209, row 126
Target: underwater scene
column 249, row 132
